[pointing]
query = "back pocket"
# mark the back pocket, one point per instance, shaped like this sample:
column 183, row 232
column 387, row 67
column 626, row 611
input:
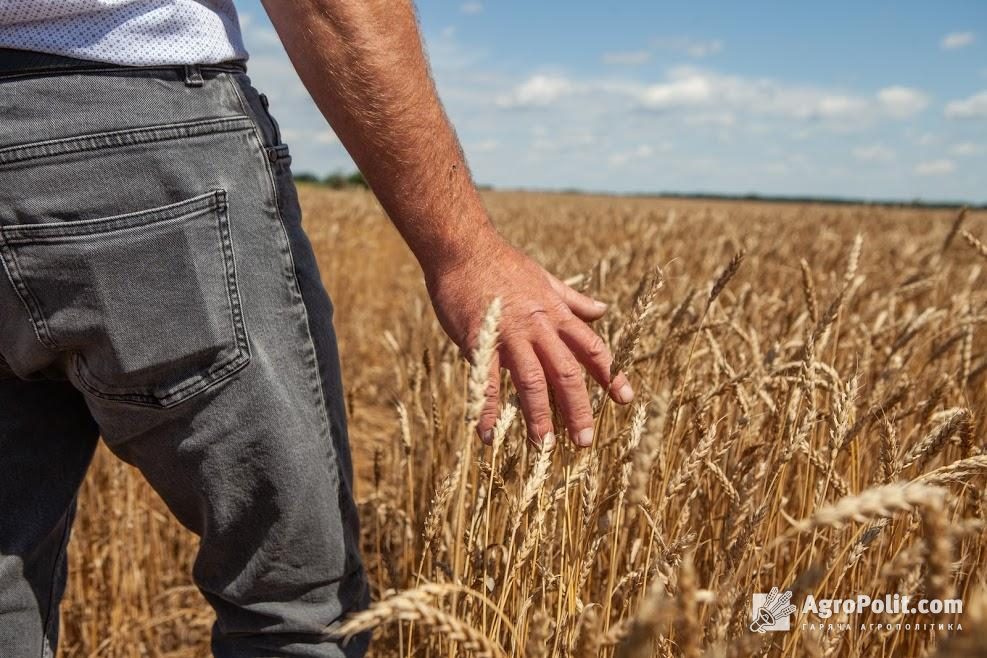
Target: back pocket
column 146, row 303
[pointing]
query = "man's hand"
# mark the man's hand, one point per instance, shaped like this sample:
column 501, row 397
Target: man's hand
column 543, row 337
column 363, row 63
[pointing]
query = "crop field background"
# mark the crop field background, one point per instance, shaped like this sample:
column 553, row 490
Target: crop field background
column 810, row 416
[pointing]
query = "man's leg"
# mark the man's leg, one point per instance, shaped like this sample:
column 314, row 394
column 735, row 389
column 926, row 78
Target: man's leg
column 163, row 266
column 255, row 468
column 47, row 438
column 259, row 465
column 260, row 468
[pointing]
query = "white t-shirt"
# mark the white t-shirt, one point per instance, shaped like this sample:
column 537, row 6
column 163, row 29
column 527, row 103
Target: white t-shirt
column 129, row 32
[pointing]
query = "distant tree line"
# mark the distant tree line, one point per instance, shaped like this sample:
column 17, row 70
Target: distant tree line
column 839, row 201
column 337, row 180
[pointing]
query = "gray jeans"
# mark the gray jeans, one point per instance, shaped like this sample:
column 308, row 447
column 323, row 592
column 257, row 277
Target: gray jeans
column 158, row 290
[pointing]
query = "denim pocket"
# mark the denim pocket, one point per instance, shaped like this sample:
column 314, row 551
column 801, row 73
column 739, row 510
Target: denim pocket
column 146, row 304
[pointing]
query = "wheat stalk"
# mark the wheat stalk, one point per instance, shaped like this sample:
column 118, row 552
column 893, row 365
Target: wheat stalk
column 410, row 607
column 879, row 501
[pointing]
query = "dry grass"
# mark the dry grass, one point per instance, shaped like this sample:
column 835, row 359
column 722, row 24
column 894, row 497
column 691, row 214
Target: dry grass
column 809, row 416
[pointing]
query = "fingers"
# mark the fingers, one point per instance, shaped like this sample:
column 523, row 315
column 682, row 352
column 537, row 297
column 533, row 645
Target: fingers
column 488, row 417
column 566, row 379
column 593, row 353
column 532, row 387
column 543, row 353
column 585, row 308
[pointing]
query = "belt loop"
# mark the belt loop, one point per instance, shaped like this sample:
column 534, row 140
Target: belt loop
column 193, row 77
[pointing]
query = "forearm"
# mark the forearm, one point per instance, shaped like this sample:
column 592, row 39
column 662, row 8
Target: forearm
column 363, row 64
column 362, row 61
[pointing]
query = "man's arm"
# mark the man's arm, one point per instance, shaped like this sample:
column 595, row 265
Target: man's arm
column 362, row 61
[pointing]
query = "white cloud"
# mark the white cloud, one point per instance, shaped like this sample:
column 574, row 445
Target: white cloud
column 641, row 152
column 829, row 107
column 686, row 91
column 471, row 7
column 873, row 153
column 955, row 40
column 902, row 102
column 449, row 57
column 719, row 98
column 935, row 168
column 258, row 36
column 974, row 107
column 689, row 87
column 691, row 47
column 627, row 58
column 966, row 149
column 538, row 91
column 682, row 45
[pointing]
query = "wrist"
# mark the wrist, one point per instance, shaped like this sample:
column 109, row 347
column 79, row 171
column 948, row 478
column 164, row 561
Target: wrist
column 467, row 249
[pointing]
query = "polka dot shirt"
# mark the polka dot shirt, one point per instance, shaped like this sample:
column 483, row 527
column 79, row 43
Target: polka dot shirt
column 129, row 32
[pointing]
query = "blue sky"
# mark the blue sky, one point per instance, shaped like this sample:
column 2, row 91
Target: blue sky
column 864, row 99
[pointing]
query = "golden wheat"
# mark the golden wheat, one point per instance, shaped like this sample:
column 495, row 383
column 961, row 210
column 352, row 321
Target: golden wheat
column 811, row 392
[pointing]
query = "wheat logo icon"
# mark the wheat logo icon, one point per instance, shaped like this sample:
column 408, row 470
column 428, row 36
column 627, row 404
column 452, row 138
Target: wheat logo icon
column 770, row 611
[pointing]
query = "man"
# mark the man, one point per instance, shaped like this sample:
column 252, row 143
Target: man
column 158, row 290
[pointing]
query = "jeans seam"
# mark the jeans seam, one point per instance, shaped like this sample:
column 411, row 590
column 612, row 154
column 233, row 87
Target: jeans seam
column 25, row 295
column 312, row 355
column 124, row 137
column 40, row 233
column 212, row 377
column 239, row 99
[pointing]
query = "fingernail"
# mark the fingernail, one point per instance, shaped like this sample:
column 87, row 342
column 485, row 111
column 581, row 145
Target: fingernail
column 600, row 306
column 585, row 437
column 548, row 441
column 625, row 393
column 487, row 436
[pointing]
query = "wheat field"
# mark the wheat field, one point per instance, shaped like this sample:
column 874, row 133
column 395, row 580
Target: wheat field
column 810, row 416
